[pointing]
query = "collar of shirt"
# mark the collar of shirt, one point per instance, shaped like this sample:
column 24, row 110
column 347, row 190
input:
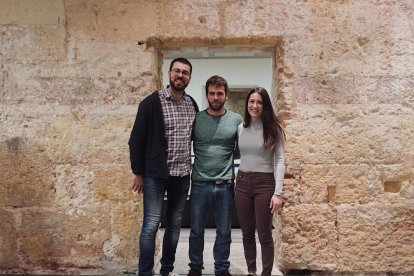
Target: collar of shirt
column 165, row 95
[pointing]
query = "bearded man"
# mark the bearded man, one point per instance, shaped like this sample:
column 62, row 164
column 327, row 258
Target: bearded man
column 212, row 178
column 160, row 154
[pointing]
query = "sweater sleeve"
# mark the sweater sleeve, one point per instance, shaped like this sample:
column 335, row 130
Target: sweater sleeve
column 138, row 139
column 279, row 168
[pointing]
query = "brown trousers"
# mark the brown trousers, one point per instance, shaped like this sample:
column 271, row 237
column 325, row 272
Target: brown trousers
column 253, row 193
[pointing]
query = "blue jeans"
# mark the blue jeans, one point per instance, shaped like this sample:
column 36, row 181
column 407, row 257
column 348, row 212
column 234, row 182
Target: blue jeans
column 205, row 194
column 154, row 191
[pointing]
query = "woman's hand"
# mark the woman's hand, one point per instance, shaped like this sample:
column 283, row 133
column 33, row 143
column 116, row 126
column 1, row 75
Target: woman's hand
column 276, row 203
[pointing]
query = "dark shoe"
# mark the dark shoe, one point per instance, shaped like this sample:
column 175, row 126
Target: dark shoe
column 224, row 273
column 194, row 272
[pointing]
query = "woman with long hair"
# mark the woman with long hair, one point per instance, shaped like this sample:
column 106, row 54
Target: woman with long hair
column 260, row 177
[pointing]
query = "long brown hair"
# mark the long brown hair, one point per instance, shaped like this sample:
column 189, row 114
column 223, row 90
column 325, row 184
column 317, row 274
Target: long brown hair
column 272, row 130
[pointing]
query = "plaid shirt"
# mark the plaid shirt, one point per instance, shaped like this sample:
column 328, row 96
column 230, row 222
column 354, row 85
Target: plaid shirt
column 178, row 120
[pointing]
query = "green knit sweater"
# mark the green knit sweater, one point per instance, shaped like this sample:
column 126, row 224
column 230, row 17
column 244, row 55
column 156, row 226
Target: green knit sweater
column 214, row 144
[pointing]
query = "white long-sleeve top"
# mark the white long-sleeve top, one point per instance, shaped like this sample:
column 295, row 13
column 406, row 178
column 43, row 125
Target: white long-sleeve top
column 255, row 158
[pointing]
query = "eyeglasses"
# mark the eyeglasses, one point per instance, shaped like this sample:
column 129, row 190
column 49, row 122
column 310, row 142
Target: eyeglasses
column 177, row 72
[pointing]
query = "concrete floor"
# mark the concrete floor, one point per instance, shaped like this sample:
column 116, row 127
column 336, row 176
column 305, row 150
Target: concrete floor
column 237, row 261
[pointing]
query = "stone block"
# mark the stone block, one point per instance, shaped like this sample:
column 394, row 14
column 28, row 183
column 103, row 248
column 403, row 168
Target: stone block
column 338, row 184
column 322, row 39
column 103, row 59
column 112, row 183
column 292, row 192
column 190, row 20
column 78, row 84
column 67, row 134
column 309, row 238
column 130, row 21
column 258, row 18
column 337, row 89
column 87, row 138
column 349, row 134
column 127, row 221
column 376, row 237
column 26, row 174
column 56, row 240
column 8, row 240
column 332, row 57
column 32, row 12
column 31, row 44
column 73, row 185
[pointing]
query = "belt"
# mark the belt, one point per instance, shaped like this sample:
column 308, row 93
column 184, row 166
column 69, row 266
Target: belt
column 228, row 181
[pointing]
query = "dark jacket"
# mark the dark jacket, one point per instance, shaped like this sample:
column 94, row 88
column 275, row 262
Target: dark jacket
column 148, row 144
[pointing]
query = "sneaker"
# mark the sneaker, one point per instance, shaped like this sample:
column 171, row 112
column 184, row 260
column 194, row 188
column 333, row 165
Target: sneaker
column 224, row 273
column 251, row 274
column 194, row 272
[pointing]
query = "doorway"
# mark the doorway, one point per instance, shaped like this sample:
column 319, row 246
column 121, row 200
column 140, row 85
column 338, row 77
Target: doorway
column 243, row 70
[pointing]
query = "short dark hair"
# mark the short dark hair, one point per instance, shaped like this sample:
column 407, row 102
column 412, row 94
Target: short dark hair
column 181, row 60
column 217, row 81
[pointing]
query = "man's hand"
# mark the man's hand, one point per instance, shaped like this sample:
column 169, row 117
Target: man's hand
column 138, row 183
column 276, row 203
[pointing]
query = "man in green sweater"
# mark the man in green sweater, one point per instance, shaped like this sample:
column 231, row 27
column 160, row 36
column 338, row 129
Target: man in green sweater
column 214, row 143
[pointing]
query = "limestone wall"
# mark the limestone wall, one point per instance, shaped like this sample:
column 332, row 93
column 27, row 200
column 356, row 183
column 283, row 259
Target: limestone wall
column 72, row 73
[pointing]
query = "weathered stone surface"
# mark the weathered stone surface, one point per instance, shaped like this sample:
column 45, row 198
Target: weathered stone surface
column 8, row 240
column 32, row 12
column 338, row 184
column 292, row 184
column 80, row 82
column 127, row 220
column 338, row 238
column 383, row 230
column 253, row 19
column 69, row 134
column 57, row 240
column 75, row 90
column 356, row 184
column 112, row 21
column 26, row 174
column 309, row 238
column 191, row 19
column 72, row 73
column 348, row 41
column 112, row 183
column 72, row 185
column 330, row 89
column 396, row 181
column 363, row 134
column 88, row 139
column 27, row 44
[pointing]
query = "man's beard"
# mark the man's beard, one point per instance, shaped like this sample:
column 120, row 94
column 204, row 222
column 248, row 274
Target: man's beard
column 181, row 87
column 216, row 107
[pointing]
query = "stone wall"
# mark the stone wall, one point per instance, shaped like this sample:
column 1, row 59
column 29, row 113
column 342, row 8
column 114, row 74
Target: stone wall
column 72, row 73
